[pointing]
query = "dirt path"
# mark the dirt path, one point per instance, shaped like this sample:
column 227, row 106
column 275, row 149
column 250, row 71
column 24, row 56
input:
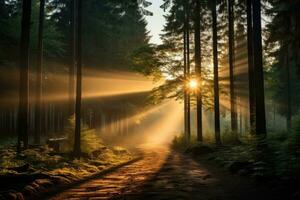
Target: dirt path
column 167, row 175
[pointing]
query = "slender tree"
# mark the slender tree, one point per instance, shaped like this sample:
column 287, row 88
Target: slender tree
column 216, row 72
column 186, row 96
column 251, row 67
column 39, row 76
column 258, row 70
column 24, row 81
column 187, row 26
column 77, row 142
column 285, row 20
column 231, row 66
column 185, row 77
column 197, row 39
column 289, row 92
column 72, row 60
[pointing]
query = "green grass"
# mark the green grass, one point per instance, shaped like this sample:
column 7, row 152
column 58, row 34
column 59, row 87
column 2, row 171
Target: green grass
column 43, row 159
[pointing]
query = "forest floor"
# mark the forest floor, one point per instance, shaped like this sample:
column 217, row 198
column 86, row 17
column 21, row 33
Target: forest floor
column 165, row 174
column 39, row 169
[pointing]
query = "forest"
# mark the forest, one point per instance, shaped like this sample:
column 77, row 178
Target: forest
column 92, row 107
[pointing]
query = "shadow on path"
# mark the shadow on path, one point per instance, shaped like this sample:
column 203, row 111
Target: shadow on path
column 168, row 175
column 181, row 177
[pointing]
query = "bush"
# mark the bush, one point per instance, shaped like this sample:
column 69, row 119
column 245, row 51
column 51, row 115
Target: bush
column 90, row 140
column 180, row 143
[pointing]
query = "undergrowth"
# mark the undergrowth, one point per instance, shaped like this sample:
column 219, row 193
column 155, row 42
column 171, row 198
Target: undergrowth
column 97, row 156
column 278, row 155
column 90, row 139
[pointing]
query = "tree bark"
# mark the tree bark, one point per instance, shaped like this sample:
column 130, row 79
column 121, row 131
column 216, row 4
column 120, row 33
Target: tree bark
column 288, row 88
column 251, row 67
column 258, row 70
column 24, row 81
column 77, row 142
column 216, row 73
column 188, row 70
column 198, row 70
column 184, row 86
column 233, row 102
column 185, row 77
column 39, row 76
column 73, row 59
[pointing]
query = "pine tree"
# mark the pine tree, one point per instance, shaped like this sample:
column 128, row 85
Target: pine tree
column 188, row 69
column 252, row 101
column 231, row 66
column 285, row 21
column 77, row 142
column 198, row 59
column 72, row 58
column 216, row 72
column 24, row 73
column 39, row 76
column 258, row 70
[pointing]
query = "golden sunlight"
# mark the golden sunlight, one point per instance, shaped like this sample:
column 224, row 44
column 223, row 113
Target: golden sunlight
column 193, row 84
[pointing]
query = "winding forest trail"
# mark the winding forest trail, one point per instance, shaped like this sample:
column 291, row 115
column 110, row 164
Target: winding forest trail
column 163, row 174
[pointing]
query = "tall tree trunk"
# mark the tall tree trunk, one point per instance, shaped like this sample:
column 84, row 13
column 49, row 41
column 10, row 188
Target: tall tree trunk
column 185, row 76
column 241, row 117
column 24, row 81
column 188, row 70
column 258, row 70
column 216, row 73
column 231, row 67
column 39, row 76
column 185, row 89
column 251, row 67
column 77, row 142
column 274, row 115
column 288, row 88
column 72, row 59
column 198, row 69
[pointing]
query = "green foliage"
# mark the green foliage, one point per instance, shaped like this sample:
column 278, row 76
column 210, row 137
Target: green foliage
column 165, row 64
column 145, row 61
column 179, row 143
column 113, row 29
column 286, row 153
column 54, row 40
column 10, row 29
column 7, row 141
column 294, row 139
column 39, row 158
column 228, row 136
column 282, row 54
column 90, row 140
column 44, row 159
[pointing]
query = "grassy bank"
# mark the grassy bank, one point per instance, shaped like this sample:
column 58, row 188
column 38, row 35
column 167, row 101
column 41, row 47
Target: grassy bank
column 276, row 157
column 39, row 169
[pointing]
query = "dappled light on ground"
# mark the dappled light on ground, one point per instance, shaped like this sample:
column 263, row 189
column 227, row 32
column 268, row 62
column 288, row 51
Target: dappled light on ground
column 159, row 174
column 165, row 174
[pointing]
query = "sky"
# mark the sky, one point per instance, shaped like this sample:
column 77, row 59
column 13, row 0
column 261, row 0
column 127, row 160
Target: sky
column 155, row 22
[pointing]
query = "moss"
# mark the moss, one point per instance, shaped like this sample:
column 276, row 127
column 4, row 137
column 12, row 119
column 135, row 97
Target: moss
column 43, row 159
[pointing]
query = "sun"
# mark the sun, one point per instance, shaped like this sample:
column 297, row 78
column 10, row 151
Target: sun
column 193, row 84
